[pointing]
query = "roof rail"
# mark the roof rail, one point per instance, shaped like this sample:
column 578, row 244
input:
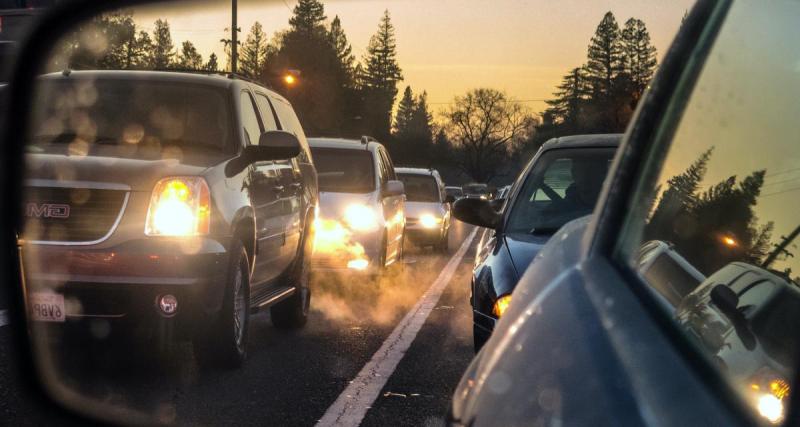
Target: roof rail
column 227, row 74
column 366, row 139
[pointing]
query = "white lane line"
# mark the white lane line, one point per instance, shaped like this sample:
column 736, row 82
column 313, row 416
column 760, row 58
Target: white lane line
column 351, row 406
column 3, row 318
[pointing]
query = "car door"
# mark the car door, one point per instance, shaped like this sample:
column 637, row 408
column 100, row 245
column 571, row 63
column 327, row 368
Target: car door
column 719, row 183
column 288, row 188
column 392, row 208
column 262, row 183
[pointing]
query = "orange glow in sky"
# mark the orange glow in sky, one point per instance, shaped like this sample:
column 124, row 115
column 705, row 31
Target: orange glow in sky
column 447, row 47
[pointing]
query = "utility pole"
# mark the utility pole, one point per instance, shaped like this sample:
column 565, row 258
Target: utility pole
column 781, row 248
column 234, row 42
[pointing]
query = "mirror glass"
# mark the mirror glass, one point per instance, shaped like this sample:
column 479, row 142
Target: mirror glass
column 160, row 287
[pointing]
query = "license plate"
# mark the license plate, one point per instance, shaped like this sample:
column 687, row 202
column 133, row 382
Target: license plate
column 47, row 307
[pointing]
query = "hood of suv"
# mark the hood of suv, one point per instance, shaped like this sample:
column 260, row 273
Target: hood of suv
column 139, row 175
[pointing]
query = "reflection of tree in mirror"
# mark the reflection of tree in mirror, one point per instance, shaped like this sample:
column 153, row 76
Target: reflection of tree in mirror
column 713, row 227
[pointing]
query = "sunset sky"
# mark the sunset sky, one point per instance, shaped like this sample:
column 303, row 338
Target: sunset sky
column 447, row 47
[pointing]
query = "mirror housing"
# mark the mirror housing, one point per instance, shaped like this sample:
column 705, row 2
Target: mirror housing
column 725, row 299
column 478, row 212
column 393, row 188
column 272, row 145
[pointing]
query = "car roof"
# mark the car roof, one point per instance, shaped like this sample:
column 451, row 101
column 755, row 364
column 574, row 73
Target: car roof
column 416, row 171
column 343, row 143
column 207, row 79
column 575, row 141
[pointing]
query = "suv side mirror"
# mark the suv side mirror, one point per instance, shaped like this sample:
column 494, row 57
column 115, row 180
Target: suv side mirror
column 393, row 188
column 272, row 145
column 477, row 212
column 725, row 299
column 449, row 198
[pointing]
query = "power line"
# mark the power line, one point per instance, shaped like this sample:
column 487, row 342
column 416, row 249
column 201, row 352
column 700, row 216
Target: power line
column 515, row 101
column 788, row 190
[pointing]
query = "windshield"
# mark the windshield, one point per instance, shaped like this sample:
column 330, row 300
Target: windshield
column 344, row 170
column 563, row 185
column 476, row 189
column 144, row 115
column 420, row 188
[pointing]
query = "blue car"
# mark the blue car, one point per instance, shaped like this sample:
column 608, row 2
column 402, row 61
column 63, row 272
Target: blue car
column 562, row 182
column 709, row 166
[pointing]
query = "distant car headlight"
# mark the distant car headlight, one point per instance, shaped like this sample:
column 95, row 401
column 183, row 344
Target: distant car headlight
column 429, row 221
column 361, row 218
column 483, row 196
column 501, row 305
column 179, row 206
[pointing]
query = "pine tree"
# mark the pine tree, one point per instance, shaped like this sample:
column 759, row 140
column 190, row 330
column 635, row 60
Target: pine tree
column 189, row 58
column 639, row 55
column 404, row 116
column 344, row 52
column 308, row 17
column 212, row 64
column 605, row 56
column 145, row 44
column 163, row 53
column 572, row 94
column 253, row 55
column 421, row 121
column 380, row 76
column 680, row 195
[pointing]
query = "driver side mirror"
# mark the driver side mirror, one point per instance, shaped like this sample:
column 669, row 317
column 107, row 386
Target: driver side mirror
column 478, row 212
column 393, row 188
column 272, row 145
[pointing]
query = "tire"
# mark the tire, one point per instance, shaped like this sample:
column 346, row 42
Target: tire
column 479, row 338
column 292, row 313
column 225, row 345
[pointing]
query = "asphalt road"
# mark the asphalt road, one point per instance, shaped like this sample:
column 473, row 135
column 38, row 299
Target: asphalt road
column 293, row 378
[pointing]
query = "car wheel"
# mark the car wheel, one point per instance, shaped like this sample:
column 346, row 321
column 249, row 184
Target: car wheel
column 292, row 313
column 225, row 345
column 479, row 338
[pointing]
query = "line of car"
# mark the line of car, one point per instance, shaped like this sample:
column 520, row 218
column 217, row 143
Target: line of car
column 172, row 206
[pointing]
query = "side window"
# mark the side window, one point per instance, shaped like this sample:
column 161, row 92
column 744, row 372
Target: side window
column 267, row 115
column 387, row 161
column 725, row 198
column 383, row 171
column 251, row 125
column 290, row 123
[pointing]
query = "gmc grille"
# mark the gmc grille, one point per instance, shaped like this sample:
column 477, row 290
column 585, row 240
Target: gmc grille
column 74, row 215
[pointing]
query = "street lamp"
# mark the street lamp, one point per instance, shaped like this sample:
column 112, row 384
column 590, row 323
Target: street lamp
column 729, row 241
column 289, row 80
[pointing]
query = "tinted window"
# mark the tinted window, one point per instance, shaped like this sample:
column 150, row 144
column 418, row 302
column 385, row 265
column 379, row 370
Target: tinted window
column 562, row 185
column 726, row 194
column 250, row 123
column 344, row 171
column 670, row 278
column 267, row 116
column 133, row 114
column 420, row 188
column 290, row 123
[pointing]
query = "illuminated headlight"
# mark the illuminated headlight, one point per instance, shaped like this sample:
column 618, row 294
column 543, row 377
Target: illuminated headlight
column 770, row 407
column 483, row 196
column 358, row 264
column 179, row 206
column 501, row 305
column 429, row 221
column 360, row 218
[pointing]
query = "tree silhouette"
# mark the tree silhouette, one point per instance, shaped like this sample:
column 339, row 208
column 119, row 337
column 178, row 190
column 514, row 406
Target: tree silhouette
column 573, row 93
column 307, row 17
column 189, row 58
column 212, row 64
column 605, row 56
column 403, row 118
column 639, row 56
column 380, row 76
column 253, row 55
column 162, row 54
column 344, row 52
column 485, row 125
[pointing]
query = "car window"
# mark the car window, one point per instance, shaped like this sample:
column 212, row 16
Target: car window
column 383, row 169
column 563, row 185
column 725, row 199
column 344, row 171
column 251, row 125
column 267, row 115
column 420, row 188
column 390, row 173
column 290, row 123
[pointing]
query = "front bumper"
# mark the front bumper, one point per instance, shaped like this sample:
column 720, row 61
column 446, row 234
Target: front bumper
column 122, row 283
column 334, row 257
column 424, row 236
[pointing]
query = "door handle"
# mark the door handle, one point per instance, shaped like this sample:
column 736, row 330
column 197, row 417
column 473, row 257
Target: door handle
column 278, row 188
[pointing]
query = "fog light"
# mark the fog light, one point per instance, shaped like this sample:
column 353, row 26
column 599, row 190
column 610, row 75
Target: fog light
column 167, row 304
column 358, row 264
